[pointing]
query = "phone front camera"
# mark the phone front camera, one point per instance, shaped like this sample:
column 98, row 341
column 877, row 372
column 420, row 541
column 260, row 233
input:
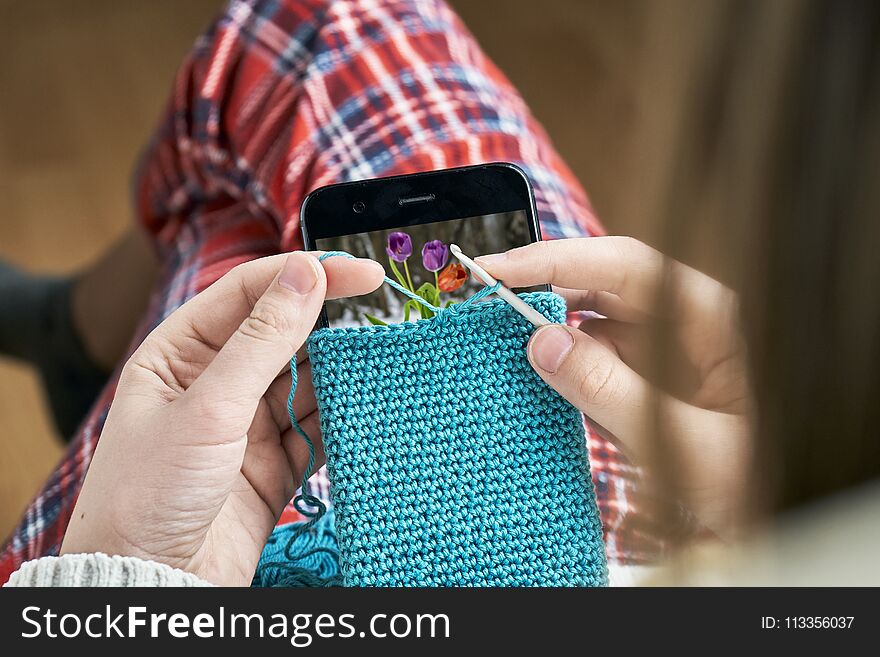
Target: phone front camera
column 359, row 206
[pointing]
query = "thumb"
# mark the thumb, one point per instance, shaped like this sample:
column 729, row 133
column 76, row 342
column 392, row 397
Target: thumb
column 594, row 379
column 708, row 446
column 277, row 326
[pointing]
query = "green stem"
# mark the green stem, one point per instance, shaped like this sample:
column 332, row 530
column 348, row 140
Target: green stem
column 413, row 288
column 406, row 269
column 398, row 275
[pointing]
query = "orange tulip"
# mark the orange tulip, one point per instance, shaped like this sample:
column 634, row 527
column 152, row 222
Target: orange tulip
column 452, row 278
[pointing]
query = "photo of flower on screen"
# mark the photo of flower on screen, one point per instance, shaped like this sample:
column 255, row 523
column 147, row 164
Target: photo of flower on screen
column 418, row 258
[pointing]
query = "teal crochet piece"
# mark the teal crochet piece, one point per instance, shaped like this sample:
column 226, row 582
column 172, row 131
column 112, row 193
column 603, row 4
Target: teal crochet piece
column 451, row 462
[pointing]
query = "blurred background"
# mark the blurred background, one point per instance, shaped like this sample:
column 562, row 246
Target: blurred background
column 84, row 83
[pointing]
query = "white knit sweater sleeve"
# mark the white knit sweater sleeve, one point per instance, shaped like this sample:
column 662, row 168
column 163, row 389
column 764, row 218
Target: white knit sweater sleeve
column 86, row 570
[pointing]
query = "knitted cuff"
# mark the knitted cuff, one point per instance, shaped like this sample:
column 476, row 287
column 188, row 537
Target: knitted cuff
column 89, row 570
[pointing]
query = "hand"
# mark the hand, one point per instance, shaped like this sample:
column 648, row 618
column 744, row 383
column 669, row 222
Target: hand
column 197, row 458
column 604, row 367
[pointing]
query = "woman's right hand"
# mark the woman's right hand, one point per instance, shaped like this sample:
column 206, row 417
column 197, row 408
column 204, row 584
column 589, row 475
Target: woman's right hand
column 603, row 367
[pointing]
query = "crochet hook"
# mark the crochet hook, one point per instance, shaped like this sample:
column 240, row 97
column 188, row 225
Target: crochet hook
column 518, row 304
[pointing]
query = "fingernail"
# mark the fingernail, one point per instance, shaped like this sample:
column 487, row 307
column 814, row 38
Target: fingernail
column 298, row 273
column 488, row 262
column 549, row 347
column 375, row 265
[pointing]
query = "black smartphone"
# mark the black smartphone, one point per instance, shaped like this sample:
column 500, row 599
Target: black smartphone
column 408, row 222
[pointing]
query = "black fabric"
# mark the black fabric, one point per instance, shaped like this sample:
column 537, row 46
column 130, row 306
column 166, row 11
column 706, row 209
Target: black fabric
column 36, row 326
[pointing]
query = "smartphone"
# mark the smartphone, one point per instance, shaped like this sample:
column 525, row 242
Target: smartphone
column 408, row 222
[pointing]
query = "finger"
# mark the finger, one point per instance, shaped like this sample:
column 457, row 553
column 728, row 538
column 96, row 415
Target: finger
column 633, row 344
column 304, row 401
column 278, row 324
column 626, row 341
column 215, row 314
column 594, row 379
column 351, row 277
column 603, row 303
column 264, row 464
column 619, row 265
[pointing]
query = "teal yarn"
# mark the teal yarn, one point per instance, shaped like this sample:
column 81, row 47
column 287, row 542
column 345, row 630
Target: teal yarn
column 451, row 462
column 298, row 556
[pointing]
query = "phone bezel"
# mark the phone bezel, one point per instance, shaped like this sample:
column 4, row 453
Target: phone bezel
column 457, row 193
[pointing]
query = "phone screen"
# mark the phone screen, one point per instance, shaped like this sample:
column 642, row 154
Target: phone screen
column 418, row 257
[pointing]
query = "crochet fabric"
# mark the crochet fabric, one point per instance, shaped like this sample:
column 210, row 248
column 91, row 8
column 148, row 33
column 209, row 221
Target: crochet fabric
column 451, row 462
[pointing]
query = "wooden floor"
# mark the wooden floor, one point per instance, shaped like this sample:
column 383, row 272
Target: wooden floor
column 83, row 84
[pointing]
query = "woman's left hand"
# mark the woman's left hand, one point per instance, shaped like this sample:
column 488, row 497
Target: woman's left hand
column 197, row 458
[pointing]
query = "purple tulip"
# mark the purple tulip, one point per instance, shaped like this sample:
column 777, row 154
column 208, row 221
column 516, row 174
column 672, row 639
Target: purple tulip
column 399, row 246
column 434, row 255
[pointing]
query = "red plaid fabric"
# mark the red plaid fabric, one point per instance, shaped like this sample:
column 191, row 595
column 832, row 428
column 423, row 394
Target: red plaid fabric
column 281, row 96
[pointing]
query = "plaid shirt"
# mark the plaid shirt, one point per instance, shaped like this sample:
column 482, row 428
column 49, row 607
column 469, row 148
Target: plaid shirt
column 280, row 97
